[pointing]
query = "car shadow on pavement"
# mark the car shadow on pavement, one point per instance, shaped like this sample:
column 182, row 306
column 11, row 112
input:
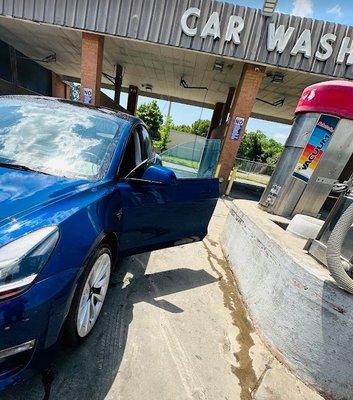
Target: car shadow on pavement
column 88, row 371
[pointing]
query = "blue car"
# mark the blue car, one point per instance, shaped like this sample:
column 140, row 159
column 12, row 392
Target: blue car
column 80, row 187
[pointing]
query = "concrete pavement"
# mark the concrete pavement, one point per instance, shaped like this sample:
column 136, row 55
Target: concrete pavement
column 173, row 328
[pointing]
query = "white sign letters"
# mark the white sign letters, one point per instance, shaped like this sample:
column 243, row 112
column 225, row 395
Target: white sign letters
column 212, row 26
column 278, row 37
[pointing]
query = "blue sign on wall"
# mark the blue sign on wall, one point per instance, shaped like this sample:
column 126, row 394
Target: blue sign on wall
column 237, row 128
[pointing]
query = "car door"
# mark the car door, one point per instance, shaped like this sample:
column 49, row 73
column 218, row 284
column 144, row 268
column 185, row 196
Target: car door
column 157, row 215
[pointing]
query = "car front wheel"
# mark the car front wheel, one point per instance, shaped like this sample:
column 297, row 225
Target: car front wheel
column 90, row 295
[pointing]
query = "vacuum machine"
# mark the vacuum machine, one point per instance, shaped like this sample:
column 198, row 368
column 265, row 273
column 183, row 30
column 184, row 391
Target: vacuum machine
column 314, row 175
column 317, row 153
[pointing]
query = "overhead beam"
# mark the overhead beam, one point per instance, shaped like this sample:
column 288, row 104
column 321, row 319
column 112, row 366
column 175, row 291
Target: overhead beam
column 132, row 99
column 118, row 82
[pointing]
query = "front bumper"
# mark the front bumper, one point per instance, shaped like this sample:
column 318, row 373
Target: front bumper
column 36, row 315
column 13, row 351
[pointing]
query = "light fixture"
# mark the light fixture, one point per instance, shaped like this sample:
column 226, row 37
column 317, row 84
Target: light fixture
column 148, row 87
column 218, row 66
column 269, row 7
column 276, row 77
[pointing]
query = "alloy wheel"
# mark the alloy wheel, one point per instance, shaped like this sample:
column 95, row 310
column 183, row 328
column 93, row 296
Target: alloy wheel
column 93, row 295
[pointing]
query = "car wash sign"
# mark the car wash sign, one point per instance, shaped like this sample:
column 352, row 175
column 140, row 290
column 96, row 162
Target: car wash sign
column 316, row 147
column 279, row 38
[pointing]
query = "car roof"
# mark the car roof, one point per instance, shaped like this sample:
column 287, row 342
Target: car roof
column 55, row 103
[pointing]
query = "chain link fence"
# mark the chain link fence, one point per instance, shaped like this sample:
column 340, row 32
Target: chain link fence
column 253, row 171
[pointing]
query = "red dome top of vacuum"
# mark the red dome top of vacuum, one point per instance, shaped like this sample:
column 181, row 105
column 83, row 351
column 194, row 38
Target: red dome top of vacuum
column 332, row 97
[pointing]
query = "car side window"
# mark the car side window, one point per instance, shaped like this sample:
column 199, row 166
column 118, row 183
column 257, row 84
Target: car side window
column 132, row 155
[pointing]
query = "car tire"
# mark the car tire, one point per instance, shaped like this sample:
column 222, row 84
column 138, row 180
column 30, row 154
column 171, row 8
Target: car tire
column 89, row 296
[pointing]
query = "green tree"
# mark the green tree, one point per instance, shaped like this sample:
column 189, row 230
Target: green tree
column 251, row 147
column 182, row 128
column 272, row 150
column 161, row 144
column 200, row 127
column 256, row 146
column 151, row 115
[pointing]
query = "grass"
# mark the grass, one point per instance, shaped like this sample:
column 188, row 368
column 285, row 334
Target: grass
column 263, row 179
column 181, row 161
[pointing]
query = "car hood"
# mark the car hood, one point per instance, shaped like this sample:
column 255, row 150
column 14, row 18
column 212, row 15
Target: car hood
column 22, row 192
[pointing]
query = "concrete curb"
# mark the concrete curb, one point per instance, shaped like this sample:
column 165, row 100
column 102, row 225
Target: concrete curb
column 305, row 318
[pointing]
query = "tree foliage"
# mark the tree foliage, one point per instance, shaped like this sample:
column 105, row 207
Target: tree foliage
column 161, row 144
column 182, row 128
column 256, row 146
column 200, row 127
column 151, row 115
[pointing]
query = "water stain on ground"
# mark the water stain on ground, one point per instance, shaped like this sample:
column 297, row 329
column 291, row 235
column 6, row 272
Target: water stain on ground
column 232, row 300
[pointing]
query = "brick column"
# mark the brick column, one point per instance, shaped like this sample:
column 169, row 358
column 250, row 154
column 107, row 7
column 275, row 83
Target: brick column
column 58, row 86
column 227, row 105
column 216, row 118
column 91, row 68
column 242, row 106
column 67, row 92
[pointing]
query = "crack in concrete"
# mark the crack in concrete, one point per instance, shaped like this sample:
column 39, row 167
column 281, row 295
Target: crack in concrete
column 232, row 300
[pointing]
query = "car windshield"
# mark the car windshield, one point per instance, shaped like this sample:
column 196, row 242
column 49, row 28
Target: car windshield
column 57, row 138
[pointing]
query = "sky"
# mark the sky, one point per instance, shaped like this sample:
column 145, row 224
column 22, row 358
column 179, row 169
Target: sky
column 340, row 11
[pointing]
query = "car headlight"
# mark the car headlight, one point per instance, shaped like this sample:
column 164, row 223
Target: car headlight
column 22, row 259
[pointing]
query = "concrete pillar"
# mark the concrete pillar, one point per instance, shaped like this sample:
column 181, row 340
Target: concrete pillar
column 58, row 86
column 91, row 68
column 216, row 118
column 227, row 105
column 117, row 84
column 132, row 99
column 242, row 106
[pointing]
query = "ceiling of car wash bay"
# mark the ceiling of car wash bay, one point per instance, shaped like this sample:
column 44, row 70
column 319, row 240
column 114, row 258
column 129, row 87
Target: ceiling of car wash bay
column 158, row 65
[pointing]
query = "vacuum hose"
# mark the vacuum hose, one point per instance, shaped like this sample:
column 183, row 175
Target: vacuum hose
column 333, row 252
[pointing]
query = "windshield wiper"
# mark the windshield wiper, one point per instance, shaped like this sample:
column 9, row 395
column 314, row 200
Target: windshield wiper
column 21, row 167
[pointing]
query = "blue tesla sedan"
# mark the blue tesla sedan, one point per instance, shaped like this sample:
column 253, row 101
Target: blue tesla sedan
column 79, row 187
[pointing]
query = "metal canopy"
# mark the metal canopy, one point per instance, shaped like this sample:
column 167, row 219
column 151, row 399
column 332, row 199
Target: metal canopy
column 154, row 51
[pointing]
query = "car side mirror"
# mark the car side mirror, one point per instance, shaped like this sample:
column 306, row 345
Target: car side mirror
column 159, row 174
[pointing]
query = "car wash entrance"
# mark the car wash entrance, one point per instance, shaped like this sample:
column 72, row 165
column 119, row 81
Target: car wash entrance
column 240, row 62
